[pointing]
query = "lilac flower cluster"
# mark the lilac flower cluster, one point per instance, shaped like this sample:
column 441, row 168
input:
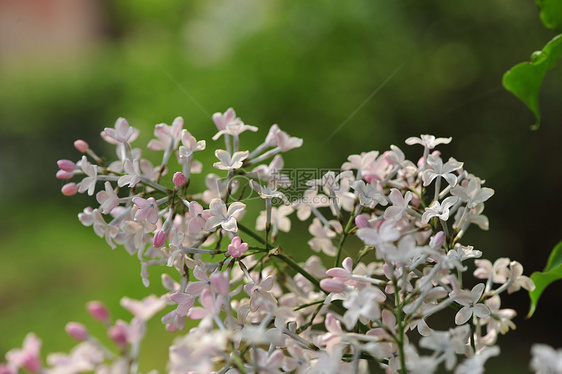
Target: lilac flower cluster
column 252, row 307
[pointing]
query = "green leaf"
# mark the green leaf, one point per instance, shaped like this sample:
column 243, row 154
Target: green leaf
column 552, row 272
column 551, row 13
column 524, row 80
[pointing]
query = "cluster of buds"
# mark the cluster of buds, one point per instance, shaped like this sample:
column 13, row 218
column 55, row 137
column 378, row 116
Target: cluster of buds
column 239, row 303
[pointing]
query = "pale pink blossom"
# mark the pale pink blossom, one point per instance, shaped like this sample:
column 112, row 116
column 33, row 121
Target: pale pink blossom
column 167, row 136
column 147, row 209
column 121, row 133
column 108, row 199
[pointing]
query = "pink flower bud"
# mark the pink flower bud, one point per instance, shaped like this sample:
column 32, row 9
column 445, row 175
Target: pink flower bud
column 118, row 333
column 178, row 178
column 332, row 285
column 66, row 165
column 98, row 311
column 69, row 189
column 81, row 145
column 361, row 222
column 77, row 330
column 159, row 238
column 437, row 240
column 62, row 174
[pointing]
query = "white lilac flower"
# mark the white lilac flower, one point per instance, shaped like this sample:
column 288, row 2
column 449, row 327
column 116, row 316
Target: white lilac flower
column 546, row 360
column 103, row 229
column 369, row 195
column 234, row 128
column 267, row 192
column 88, row 183
column 143, row 309
column 190, row 145
column 279, row 219
column 228, row 162
column 108, row 199
column 220, row 215
column 428, row 141
column 438, row 170
column 439, row 210
column 399, row 204
column 132, row 174
column 517, row 279
column 322, row 240
column 470, row 302
column 475, row 364
column 448, row 343
column 362, row 305
column 360, row 162
column 167, row 136
column 472, row 193
column 122, row 133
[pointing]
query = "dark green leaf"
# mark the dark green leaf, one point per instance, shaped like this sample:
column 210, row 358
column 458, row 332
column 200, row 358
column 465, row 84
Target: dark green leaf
column 551, row 13
column 524, row 80
column 551, row 273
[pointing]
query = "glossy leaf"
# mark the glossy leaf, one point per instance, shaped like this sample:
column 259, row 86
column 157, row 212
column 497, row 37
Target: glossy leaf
column 524, row 80
column 551, row 13
column 551, row 273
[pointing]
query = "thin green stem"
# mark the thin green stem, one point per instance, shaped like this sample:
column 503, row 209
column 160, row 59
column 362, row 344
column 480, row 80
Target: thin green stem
column 251, row 233
column 344, row 235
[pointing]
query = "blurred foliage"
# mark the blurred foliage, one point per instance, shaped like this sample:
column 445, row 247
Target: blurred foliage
column 306, row 65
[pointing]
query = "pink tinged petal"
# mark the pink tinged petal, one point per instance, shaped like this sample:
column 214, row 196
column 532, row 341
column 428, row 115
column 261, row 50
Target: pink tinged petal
column 221, row 283
column 267, row 283
column 332, row 285
column 76, row 330
column 361, row 222
column 98, row 311
column 62, row 174
column 481, row 310
column 196, row 288
column 66, row 165
column 69, row 189
column 81, row 145
column 159, row 238
column 338, row 273
column 178, row 179
column 463, row 315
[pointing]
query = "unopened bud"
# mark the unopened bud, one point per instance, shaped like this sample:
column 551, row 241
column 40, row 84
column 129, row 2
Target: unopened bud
column 77, row 330
column 178, row 178
column 66, row 165
column 81, row 145
column 437, row 240
column 159, row 238
column 361, row 222
column 332, row 285
column 98, row 311
column 69, row 189
column 118, row 333
column 62, row 174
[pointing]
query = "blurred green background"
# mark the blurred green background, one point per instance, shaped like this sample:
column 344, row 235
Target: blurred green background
column 70, row 68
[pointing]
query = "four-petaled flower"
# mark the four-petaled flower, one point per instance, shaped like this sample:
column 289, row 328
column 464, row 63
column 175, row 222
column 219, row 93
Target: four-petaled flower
column 220, row 215
column 190, row 144
column 399, row 204
column 440, row 170
column 122, row 133
column 228, row 162
column 470, row 302
column 147, row 209
column 440, row 210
